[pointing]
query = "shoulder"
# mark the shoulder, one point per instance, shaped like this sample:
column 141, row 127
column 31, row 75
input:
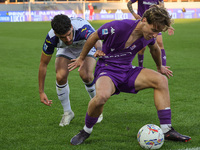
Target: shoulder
column 115, row 29
column 79, row 23
column 51, row 38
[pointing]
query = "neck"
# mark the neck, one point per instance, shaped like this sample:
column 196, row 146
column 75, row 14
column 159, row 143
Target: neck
column 138, row 30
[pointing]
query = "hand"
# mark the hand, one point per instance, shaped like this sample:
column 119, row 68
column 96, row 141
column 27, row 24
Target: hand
column 44, row 99
column 165, row 71
column 75, row 63
column 171, row 30
column 99, row 53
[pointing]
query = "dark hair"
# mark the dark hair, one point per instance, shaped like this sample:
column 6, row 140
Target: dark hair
column 158, row 17
column 61, row 24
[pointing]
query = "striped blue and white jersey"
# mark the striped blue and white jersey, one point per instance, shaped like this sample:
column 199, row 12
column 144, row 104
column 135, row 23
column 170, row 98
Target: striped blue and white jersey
column 82, row 29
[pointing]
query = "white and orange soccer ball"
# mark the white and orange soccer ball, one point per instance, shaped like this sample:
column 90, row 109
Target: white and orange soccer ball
column 150, row 136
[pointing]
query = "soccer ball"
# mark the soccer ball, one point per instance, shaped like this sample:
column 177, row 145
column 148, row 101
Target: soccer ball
column 150, row 136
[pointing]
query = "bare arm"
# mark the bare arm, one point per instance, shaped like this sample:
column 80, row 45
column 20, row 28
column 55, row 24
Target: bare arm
column 91, row 41
column 98, row 45
column 156, row 54
column 44, row 61
column 130, row 8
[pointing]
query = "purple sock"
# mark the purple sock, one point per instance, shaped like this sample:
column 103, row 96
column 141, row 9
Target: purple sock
column 90, row 121
column 140, row 60
column 164, row 61
column 164, row 116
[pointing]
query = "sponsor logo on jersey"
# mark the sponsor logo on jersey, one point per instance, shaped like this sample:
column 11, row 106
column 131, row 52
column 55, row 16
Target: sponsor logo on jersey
column 149, row 3
column 112, row 30
column 83, row 29
column 117, row 55
column 104, row 31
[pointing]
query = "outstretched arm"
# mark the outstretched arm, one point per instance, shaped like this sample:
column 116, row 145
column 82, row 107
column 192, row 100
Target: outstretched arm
column 91, row 41
column 156, row 54
column 41, row 78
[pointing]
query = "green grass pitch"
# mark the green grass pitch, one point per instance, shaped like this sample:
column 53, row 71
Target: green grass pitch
column 27, row 124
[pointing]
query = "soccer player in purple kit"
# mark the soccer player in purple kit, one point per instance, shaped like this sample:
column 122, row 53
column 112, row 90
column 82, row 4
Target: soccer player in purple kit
column 114, row 72
column 143, row 5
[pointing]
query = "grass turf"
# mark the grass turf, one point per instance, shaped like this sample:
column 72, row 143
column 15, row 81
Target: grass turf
column 28, row 124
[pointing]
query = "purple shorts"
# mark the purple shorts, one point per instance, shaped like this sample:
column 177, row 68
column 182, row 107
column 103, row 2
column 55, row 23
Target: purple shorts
column 124, row 79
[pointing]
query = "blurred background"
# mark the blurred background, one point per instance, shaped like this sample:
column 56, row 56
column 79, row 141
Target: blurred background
column 40, row 10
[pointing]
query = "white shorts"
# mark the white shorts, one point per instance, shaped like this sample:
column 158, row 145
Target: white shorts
column 71, row 53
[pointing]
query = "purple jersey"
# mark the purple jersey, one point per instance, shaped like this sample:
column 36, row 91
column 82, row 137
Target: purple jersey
column 117, row 64
column 143, row 5
column 115, row 35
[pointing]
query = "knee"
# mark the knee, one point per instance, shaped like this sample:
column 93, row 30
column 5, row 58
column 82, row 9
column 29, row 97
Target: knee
column 61, row 78
column 86, row 77
column 162, row 82
column 101, row 99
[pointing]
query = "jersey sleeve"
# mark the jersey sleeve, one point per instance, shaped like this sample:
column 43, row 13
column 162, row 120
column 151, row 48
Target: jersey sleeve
column 83, row 29
column 152, row 41
column 49, row 44
column 87, row 30
column 108, row 30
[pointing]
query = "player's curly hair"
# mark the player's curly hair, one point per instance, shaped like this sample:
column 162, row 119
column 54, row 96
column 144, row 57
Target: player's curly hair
column 61, row 24
column 158, row 17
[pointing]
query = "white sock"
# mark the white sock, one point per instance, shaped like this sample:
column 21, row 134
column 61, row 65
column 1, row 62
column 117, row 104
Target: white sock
column 88, row 130
column 90, row 89
column 63, row 95
column 165, row 127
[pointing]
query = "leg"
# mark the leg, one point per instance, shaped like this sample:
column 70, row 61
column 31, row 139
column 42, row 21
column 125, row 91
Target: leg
column 86, row 74
column 151, row 79
column 141, row 57
column 160, row 44
column 62, row 88
column 104, row 89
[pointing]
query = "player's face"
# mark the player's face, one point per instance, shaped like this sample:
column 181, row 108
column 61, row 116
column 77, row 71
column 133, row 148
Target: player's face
column 149, row 31
column 67, row 38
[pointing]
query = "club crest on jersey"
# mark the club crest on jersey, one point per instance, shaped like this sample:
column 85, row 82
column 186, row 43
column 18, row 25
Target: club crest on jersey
column 133, row 47
column 104, row 31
